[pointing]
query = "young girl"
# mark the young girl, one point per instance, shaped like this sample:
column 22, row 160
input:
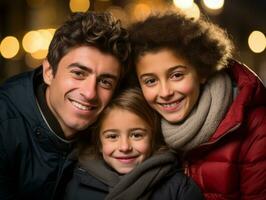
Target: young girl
column 213, row 108
column 128, row 160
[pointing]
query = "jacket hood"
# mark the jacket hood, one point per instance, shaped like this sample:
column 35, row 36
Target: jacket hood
column 251, row 94
column 249, row 84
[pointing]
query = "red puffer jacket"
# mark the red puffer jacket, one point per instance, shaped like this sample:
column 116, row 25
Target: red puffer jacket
column 232, row 164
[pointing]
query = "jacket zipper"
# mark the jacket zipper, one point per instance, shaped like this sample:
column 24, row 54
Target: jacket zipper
column 186, row 164
column 231, row 130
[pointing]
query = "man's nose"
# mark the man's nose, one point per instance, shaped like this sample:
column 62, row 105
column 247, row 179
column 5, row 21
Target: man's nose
column 89, row 88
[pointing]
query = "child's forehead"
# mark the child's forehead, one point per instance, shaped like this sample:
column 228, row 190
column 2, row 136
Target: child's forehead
column 122, row 118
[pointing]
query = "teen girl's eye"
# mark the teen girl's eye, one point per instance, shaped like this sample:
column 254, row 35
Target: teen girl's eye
column 176, row 75
column 149, row 81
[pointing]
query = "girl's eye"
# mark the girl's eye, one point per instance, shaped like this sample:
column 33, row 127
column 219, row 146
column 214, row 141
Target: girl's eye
column 111, row 136
column 137, row 135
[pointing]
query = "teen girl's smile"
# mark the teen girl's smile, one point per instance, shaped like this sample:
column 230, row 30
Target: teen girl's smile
column 169, row 83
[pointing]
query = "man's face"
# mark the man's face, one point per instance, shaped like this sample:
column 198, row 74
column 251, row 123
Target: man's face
column 82, row 86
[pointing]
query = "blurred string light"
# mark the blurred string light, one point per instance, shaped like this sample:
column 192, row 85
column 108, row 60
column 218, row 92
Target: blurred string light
column 141, row 11
column 213, row 7
column 214, row 4
column 192, row 12
column 257, row 41
column 9, row 47
column 37, row 42
column 183, row 4
column 31, row 41
column 79, row 5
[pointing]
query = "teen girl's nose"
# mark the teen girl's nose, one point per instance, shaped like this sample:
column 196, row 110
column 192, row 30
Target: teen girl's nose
column 165, row 90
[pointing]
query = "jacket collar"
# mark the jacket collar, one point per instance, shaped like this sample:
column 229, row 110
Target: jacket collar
column 251, row 92
column 20, row 92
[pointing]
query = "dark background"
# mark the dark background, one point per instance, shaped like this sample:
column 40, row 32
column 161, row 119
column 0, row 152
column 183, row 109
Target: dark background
column 238, row 17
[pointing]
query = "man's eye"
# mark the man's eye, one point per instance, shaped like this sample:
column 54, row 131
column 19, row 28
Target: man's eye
column 106, row 83
column 78, row 74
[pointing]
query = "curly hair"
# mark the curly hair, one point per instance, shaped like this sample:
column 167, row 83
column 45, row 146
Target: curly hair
column 203, row 44
column 97, row 29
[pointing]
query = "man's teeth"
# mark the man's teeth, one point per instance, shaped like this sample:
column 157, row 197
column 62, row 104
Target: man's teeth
column 80, row 106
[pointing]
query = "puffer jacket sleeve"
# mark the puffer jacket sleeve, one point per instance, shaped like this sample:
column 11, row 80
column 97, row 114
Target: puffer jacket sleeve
column 253, row 157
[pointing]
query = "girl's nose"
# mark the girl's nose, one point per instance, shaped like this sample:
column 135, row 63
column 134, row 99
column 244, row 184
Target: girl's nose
column 125, row 145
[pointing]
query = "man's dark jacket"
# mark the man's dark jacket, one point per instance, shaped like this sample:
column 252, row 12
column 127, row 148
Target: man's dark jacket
column 32, row 157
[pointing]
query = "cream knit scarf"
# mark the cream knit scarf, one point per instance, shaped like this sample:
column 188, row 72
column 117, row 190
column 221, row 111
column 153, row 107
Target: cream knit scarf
column 204, row 118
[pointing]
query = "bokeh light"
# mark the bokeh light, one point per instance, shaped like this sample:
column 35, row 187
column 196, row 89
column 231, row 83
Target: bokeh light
column 31, row 42
column 257, row 41
column 214, row 4
column 9, row 47
column 141, row 11
column 193, row 12
column 79, row 5
column 183, row 4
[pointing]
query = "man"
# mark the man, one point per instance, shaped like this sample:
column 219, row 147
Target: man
column 43, row 111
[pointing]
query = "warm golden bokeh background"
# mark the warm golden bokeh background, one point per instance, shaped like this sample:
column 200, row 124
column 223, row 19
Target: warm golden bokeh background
column 27, row 26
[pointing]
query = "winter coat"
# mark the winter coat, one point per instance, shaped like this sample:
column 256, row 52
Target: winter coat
column 156, row 178
column 232, row 164
column 32, row 157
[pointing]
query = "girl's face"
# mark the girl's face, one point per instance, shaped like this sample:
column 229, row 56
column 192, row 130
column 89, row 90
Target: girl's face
column 169, row 83
column 126, row 140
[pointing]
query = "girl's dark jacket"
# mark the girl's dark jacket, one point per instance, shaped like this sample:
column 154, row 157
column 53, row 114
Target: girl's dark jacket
column 32, row 157
column 156, row 178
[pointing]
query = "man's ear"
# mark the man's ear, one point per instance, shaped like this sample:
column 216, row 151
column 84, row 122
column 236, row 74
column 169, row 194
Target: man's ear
column 47, row 72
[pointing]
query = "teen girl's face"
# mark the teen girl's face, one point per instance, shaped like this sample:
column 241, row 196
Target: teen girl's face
column 169, row 83
column 126, row 140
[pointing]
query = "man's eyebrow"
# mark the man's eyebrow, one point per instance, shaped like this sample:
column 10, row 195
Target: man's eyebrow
column 81, row 66
column 108, row 75
column 88, row 69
